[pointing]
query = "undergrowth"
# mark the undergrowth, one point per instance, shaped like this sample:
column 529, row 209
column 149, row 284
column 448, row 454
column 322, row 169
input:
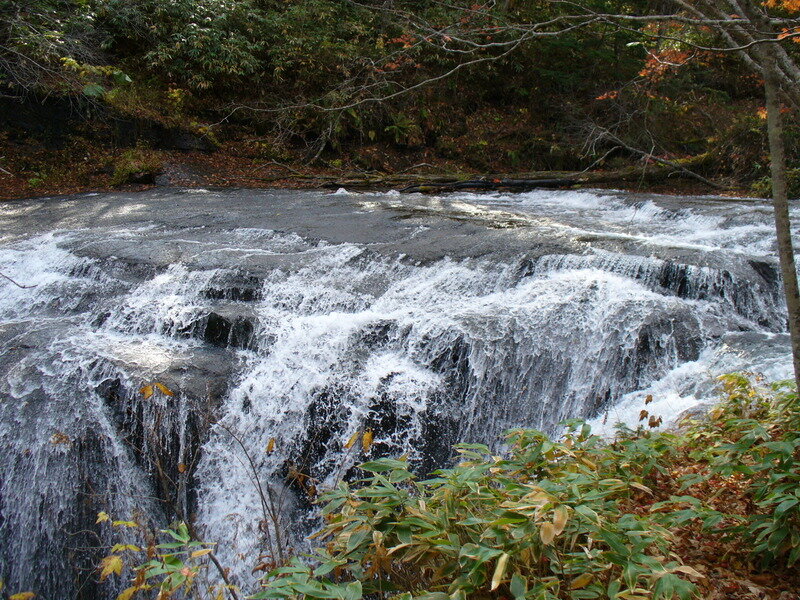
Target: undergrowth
column 648, row 515
column 136, row 165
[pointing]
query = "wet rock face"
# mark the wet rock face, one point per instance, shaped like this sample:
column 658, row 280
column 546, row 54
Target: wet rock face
column 164, row 438
column 768, row 271
column 241, row 289
column 222, row 332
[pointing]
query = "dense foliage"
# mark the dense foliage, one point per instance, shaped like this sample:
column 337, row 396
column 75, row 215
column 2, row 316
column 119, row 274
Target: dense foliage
column 324, row 76
column 546, row 522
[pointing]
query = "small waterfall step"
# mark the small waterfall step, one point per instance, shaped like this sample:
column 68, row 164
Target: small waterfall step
column 168, row 336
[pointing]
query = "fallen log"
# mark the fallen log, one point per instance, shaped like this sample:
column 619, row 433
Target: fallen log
column 516, row 185
column 516, row 182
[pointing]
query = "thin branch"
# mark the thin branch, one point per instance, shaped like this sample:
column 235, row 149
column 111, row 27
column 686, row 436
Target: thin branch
column 19, row 285
column 606, row 134
column 380, row 99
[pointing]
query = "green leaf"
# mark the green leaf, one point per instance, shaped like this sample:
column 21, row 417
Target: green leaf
column 315, row 590
column 94, row 90
column 786, row 505
column 383, row 465
column 121, row 78
column 356, row 539
column 519, row 586
column 353, row 591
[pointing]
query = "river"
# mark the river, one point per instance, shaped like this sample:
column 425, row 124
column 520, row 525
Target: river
column 305, row 316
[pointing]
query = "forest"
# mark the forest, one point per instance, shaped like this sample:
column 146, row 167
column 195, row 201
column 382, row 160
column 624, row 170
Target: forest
column 108, row 92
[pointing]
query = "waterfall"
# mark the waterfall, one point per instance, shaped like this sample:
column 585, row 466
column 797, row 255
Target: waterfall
column 305, row 318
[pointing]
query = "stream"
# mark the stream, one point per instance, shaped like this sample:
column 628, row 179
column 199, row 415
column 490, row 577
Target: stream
column 303, row 317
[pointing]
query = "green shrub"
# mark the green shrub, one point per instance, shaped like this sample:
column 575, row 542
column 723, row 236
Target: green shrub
column 171, row 568
column 755, row 433
column 547, row 522
column 763, row 187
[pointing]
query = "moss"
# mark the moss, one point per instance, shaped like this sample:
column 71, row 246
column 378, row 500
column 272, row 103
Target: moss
column 137, row 165
column 763, row 187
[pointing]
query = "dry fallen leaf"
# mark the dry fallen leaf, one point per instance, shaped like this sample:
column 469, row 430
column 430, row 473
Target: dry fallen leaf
column 164, row 389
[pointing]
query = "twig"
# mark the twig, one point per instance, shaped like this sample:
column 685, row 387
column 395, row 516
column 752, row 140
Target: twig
column 597, row 162
column 415, row 166
column 19, row 285
column 281, row 165
column 224, row 576
column 605, row 133
column 270, row 512
column 217, row 564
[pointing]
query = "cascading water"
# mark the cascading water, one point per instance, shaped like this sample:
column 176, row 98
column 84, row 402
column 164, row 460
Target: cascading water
column 304, row 317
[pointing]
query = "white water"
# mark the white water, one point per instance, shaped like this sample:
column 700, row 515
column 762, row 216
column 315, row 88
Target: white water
column 426, row 320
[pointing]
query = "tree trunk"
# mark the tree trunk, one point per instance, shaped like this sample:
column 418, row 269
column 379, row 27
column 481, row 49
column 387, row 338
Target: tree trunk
column 781, row 207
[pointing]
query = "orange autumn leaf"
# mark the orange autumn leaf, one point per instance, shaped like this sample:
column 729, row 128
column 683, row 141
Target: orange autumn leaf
column 787, row 5
column 164, row 389
column 366, row 440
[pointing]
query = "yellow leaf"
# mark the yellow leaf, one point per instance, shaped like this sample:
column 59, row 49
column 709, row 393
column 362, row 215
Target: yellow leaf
column 146, row 391
column 396, row 548
column 182, row 468
column 366, row 441
column 22, row 596
column 110, row 564
column 124, row 524
column 499, row 570
column 688, row 571
column 102, row 516
column 270, row 445
column 352, row 440
column 128, row 593
column 538, row 495
column 123, row 547
column 560, row 518
column 649, row 399
column 581, row 581
column 547, row 533
column 203, row 552
column 164, row 389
